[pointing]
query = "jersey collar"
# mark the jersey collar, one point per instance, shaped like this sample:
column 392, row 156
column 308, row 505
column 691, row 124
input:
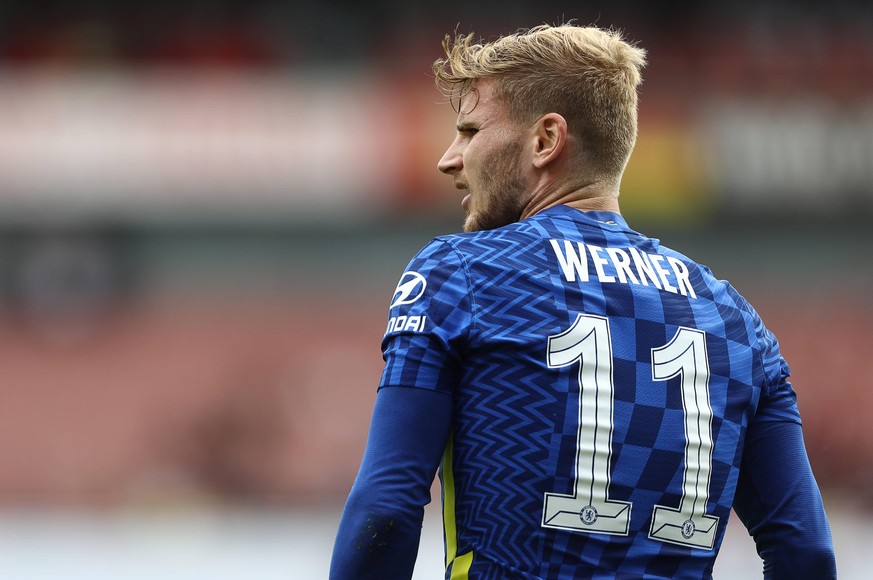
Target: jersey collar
column 607, row 218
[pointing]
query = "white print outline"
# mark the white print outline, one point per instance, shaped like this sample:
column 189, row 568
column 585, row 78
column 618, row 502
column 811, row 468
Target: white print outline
column 588, row 509
column 688, row 525
column 408, row 284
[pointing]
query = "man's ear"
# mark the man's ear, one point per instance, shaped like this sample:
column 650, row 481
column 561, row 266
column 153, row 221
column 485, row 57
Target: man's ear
column 550, row 137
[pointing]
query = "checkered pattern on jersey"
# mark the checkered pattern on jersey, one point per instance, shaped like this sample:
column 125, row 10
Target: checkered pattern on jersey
column 430, row 357
column 492, row 300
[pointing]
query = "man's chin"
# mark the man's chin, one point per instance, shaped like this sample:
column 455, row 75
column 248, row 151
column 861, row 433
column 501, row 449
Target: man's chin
column 471, row 224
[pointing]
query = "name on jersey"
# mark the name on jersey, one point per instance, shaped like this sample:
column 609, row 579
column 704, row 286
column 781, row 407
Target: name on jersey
column 624, row 266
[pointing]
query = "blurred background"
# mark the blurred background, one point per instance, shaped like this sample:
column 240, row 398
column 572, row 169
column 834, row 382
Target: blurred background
column 205, row 208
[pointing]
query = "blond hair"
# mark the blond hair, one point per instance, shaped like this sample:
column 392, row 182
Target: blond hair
column 587, row 74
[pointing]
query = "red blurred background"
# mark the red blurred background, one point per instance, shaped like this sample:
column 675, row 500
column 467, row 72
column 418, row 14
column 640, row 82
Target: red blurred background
column 204, row 210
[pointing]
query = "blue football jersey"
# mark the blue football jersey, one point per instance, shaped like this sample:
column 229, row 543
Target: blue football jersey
column 602, row 387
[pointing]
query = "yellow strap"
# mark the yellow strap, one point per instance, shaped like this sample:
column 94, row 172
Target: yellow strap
column 449, row 504
column 461, row 567
column 460, row 564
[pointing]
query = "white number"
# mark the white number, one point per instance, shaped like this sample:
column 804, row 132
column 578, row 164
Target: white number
column 588, row 508
column 689, row 525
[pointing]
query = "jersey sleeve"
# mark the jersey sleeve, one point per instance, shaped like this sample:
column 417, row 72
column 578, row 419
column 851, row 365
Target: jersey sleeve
column 779, row 502
column 429, row 321
column 777, row 498
column 380, row 528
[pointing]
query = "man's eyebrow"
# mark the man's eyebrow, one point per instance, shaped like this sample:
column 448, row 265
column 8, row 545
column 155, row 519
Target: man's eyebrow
column 466, row 126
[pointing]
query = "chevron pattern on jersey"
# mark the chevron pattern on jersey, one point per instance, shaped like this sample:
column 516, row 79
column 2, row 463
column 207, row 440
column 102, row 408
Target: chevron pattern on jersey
column 491, row 303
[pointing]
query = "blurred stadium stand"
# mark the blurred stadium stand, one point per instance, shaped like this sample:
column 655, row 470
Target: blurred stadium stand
column 205, row 207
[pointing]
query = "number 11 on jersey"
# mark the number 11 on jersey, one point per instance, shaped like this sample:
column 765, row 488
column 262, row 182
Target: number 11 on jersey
column 589, row 508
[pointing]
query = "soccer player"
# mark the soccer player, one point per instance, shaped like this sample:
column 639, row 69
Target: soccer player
column 597, row 402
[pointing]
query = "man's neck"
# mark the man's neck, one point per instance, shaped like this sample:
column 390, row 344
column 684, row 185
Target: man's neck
column 594, row 196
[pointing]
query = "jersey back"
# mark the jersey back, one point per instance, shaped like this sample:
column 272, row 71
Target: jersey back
column 602, row 387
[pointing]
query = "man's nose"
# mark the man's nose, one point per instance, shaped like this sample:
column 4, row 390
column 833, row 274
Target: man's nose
column 451, row 161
